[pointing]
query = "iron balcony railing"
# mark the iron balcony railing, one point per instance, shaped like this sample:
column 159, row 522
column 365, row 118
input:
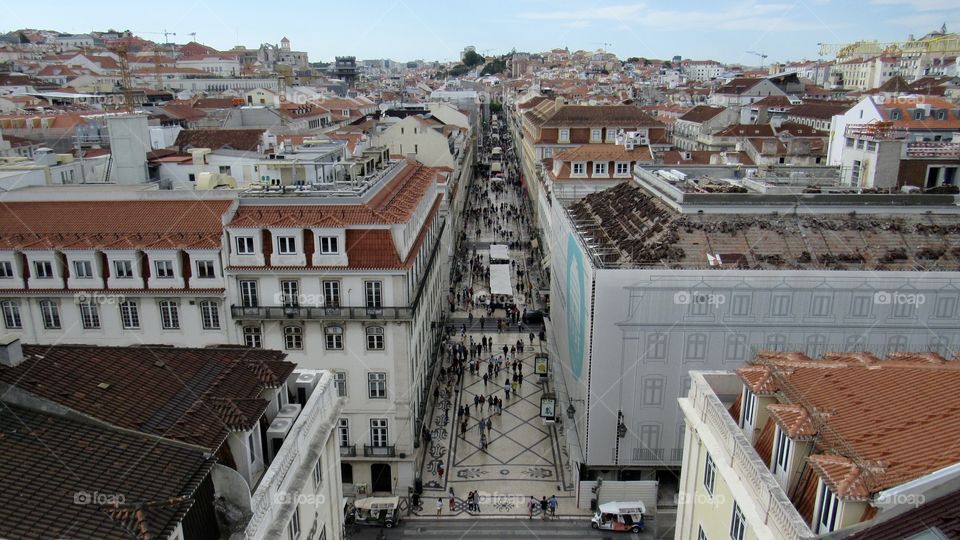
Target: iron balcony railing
column 348, row 451
column 321, row 313
column 379, row 451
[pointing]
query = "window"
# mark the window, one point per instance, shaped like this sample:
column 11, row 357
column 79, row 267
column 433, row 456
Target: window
column 685, row 387
column 657, row 346
column 43, row 269
column 123, row 269
column 331, row 293
column 340, row 382
column 596, row 135
column 292, row 338
column 129, row 315
column 90, row 315
column 946, row 307
column 290, row 292
column 563, row 135
column 780, row 305
column 855, row 172
column 709, row 474
column 82, row 269
column 6, row 270
column 295, row 524
column 776, row 342
column 50, row 313
column 821, row 305
column 252, row 337
column 378, row 432
column 169, row 314
column 849, row 142
column 377, row 385
column 329, row 245
column 206, row 270
column 343, row 432
column 738, row 525
column 897, row 343
column 164, row 269
column 287, row 245
column 252, row 445
column 828, row 510
column 318, row 473
column 11, row 314
column 653, row 391
column 623, row 168
column 579, row 169
column 599, row 168
column 749, row 408
column 210, row 315
column 650, row 440
column 248, row 294
column 375, row 338
column 245, row 245
column 860, row 306
column 373, row 293
column 782, row 448
column 740, row 305
column 904, row 310
column 225, row 169
column 696, row 348
column 736, row 348
column 871, row 146
column 334, row 337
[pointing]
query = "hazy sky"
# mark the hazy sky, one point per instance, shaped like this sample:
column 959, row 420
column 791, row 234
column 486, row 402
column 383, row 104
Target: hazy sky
column 409, row 29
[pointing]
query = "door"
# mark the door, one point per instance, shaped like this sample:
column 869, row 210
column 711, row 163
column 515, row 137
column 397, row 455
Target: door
column 381, row 477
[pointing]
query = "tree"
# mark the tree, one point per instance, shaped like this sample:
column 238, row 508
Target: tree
column 667, row 65
column 472, row 59
column 459, row 70
column 633, row 60
column 495, row 107
column 494, row 67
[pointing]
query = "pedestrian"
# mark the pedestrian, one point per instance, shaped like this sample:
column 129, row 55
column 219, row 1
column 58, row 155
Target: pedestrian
column 520, row 380
column 543, row 507
column 466, row 411
column 481, row 425
column 483, row 440
column 552, row 503
column 506, row 388
column 531, row 338
column 439, row 506
column 463, row 429
column 513, row 387
column 531, row 504
column 453, row 500
column 485, row 378
column 440, row 470
column 489, row 425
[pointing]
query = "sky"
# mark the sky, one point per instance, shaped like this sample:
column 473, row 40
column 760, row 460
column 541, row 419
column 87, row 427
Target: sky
column 404, row 30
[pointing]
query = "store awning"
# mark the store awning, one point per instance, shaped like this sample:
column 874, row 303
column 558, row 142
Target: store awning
column 499, row 252
column 500, row 280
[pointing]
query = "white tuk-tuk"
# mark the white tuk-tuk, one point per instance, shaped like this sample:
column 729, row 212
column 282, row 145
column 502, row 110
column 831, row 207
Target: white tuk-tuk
column 378, row 511
column 619, row 516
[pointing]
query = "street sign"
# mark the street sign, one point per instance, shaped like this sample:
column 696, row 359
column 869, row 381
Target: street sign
column 548, row 406
column 540, row 364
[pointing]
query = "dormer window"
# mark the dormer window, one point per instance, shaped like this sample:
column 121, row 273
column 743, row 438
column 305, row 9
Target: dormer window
column 563, row 135
column 43, row 269
column 287, row 245
column 596, row 135
column 579, row 168
column 895, row 114
column 918, row 114
column 329, row 245
column 599, row 168
column 123, row 269
column 782, row 453
column 828, row 510
column 82, row 269
column 245, row 245
column 164, row 269
column 6, row 270
column 749, row 400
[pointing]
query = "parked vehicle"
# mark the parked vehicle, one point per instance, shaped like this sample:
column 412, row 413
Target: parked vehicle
column 619, row 516
column 379, row 511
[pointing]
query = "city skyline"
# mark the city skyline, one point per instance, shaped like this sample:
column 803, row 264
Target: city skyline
column 722, row 31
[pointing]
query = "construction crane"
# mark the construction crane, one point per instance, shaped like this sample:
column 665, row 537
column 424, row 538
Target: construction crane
column 760, row 55
column 604, row 43
column 126, row 83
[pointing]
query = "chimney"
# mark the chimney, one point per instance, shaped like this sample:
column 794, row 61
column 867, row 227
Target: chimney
column 11, row 353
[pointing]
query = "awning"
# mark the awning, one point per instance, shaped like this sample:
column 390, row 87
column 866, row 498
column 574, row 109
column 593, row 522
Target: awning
column 500, row 280
column 499, row 252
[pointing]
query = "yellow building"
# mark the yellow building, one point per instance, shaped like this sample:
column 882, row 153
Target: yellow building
column 788, row 447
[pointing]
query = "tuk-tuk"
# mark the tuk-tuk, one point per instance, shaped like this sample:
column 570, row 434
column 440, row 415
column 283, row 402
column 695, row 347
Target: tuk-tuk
column 619, row 516
column 379, row 511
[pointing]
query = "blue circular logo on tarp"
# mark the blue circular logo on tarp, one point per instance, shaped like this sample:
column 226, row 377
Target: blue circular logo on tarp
column 576, row 307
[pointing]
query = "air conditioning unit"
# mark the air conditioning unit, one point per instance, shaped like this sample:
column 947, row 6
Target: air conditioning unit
column 290, row 410
column 304, row 385
column 276, row 433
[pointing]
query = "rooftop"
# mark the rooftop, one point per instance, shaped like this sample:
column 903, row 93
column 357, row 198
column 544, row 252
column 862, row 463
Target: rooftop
column 632, row 226
column 196, row 396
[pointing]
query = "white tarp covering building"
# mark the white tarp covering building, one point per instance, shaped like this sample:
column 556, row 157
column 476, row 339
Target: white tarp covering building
column 500, row 280
column 499, row 252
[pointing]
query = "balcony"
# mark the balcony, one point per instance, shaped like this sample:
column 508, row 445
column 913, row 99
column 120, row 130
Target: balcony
column 676, row 454
column 877, row 131
column 933, row 150
column 276, row 313
column 379, row 451
column 348, row 451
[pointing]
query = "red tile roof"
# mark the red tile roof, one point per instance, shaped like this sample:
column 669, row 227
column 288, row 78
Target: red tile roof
column 701, row 113
column 245, row 140
column 131, row 225
column 195, row 396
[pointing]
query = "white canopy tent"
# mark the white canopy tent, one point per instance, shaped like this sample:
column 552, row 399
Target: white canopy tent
column 500, row 280
column 499, row 252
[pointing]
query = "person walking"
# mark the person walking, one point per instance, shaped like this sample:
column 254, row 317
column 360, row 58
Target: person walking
column 463, row 429
column 480, row 425
column 489, row 426
column 440, row 470
column 506, row 390
column 543, row 507
column 486, row 377
column 439, row 506
column 513, row 386
column 453, row 500
column 483, row 439
column 531, row 504
column 552, row 504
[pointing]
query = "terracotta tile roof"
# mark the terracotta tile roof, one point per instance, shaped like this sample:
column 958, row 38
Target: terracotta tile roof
column 777, row 102
column 393, row 204
column 907, row 104
column 701, row 113
column 195, row 396
column 132, row 224
column 604, row 152
column 818, row 111
column 245, row 140
column 60, row 458
column 894, row 84
column 738, row 86
column 869, row 414
column 214, row 103
column 600, row 116
column 794, row 420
